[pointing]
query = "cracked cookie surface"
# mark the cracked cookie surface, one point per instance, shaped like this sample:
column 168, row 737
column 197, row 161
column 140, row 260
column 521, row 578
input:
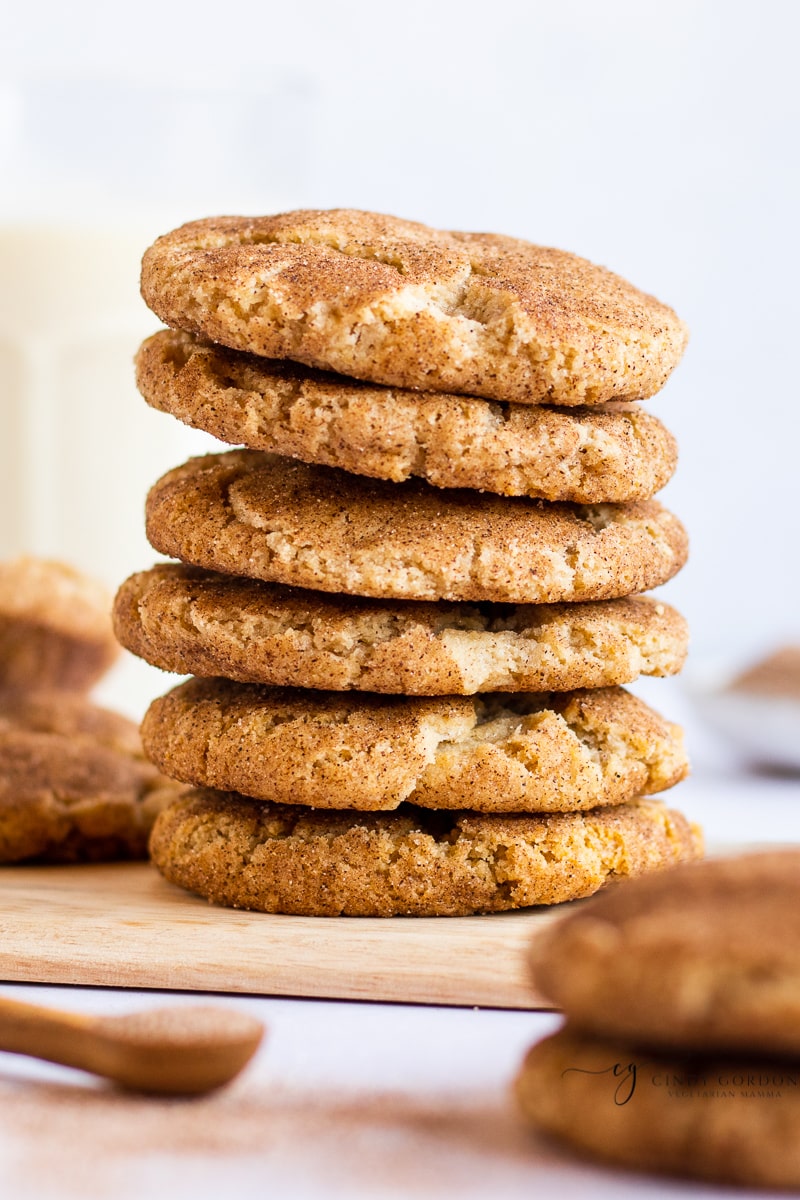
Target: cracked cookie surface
column 396, row 302
column 196, row 622
column 74, row 782
column 502, row 753
column 272, row 858
column 612, row 453
column 253, row 514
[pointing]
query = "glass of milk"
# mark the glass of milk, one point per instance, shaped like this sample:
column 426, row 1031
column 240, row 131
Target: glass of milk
column 92, row 173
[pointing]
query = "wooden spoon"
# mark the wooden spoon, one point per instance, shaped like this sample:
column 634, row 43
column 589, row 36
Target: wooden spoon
column 173, row 1051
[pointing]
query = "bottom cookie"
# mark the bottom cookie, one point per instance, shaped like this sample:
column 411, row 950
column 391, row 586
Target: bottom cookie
column 74, row 782
column 731, row 1119
column 415, row 862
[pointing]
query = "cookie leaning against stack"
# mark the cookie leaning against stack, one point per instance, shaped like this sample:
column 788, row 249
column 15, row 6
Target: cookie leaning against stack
column 401, row 590
column 681, row 1051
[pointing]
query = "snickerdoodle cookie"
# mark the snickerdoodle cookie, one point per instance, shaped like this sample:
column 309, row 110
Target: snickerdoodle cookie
column 612, row 453
column 196, row 622
column 55, row 626
column 254, row 514
column 396, row 302
column 731, row 1118
column 706, row 959
column 502, row 753
column 274, row 858
column 74, row 781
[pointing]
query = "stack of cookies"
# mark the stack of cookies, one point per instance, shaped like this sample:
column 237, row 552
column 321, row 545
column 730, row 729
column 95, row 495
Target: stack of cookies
column 409, row 602
column 681, row 1049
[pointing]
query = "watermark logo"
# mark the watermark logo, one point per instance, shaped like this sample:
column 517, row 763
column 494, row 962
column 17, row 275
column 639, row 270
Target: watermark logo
column 708, row 1081
column 624, row 1073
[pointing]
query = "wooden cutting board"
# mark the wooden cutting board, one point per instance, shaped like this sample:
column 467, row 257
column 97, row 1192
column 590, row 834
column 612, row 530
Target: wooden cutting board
column 124, row 926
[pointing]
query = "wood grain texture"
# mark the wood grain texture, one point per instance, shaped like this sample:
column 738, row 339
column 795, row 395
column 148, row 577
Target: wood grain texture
column 122, row 925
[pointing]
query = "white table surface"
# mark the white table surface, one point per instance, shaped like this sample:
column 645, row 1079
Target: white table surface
column 343, row 1099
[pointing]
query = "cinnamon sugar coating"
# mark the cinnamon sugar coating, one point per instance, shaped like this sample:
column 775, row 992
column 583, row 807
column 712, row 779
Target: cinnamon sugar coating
column 609, row 453
column 253, row 514
column 196, row 622
column 503, row 753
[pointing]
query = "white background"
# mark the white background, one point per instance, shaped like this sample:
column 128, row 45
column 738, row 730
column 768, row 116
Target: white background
column 659, row 139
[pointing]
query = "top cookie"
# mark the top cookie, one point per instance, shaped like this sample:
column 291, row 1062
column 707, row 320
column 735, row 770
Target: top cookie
column 55, row 627
column 399, row 303
column 705, row 958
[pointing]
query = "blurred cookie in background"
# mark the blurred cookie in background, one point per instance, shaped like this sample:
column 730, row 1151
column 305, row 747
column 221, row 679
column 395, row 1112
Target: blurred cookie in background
column 755, row 707
column 725, row 1118
column 705, row 959
column 776, row 675
column 55, row 627
column 74, row 782
column 681, row 1045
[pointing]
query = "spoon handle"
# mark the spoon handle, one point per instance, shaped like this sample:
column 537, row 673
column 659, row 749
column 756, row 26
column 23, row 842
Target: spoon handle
column 45, row 1033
